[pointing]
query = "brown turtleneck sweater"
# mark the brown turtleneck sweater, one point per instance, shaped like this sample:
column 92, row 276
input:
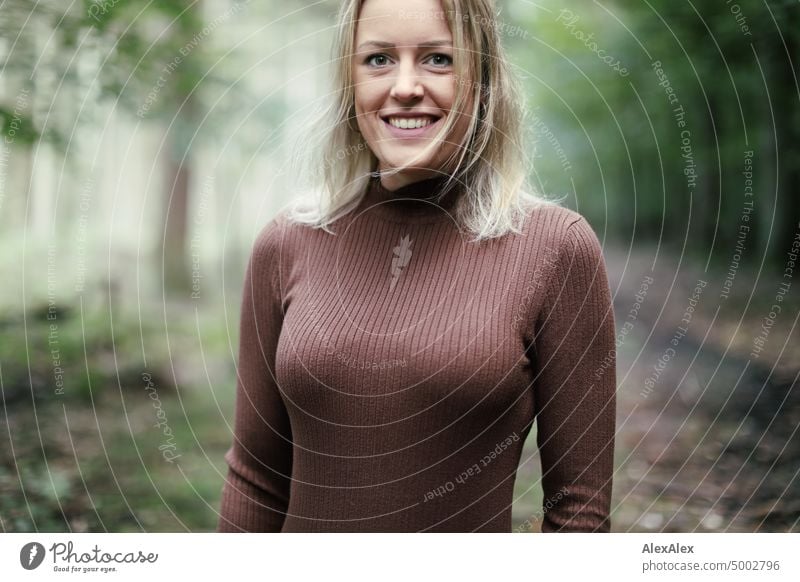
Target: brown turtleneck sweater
column 389, row 373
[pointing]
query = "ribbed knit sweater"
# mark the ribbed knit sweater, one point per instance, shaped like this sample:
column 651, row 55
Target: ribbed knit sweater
column 390, row 371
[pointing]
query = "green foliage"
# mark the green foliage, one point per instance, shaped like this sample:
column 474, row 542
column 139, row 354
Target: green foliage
column 65, row 355
column 16, row 127
column 729, row 71
column 148, row 58
column 90, row 461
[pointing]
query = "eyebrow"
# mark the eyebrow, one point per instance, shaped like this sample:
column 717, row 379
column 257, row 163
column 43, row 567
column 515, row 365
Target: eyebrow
column 386, row 45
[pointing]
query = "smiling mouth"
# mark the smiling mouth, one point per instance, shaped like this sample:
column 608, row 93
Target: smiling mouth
column 410, row 123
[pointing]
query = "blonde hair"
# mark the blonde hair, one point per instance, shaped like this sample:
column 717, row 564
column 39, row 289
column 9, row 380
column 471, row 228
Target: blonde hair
column 491, row 160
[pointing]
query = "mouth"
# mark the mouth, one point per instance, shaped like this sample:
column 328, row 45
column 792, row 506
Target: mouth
column 410, row 127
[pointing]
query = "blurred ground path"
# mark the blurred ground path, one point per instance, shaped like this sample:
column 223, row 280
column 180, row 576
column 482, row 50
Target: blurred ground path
column 713, row 443
column 707, row 436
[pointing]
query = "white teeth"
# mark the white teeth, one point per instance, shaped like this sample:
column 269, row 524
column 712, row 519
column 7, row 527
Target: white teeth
column 403, row 123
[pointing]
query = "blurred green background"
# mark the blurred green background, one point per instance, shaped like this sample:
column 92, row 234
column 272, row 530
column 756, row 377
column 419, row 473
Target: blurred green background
column 146, row 143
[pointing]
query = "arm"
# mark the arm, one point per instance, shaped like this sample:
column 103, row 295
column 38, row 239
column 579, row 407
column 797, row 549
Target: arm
column 575, row 387
column 256, row 492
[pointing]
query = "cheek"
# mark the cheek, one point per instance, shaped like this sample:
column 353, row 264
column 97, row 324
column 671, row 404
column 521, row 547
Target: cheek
column 449, row 97
column 364, row 97
column 443, row 98
column 443, row 95
column 359, row 86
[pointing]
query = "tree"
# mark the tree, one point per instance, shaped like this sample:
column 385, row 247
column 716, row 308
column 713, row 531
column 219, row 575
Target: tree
column 152, row 59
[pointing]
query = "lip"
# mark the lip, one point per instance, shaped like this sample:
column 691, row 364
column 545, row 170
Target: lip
column 398, row 133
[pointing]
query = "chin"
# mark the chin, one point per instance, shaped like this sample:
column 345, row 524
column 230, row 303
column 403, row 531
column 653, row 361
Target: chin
column 417, row 164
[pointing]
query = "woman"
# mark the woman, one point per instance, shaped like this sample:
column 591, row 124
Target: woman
column 391, row 365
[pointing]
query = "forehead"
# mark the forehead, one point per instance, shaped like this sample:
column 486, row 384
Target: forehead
column 410, row 22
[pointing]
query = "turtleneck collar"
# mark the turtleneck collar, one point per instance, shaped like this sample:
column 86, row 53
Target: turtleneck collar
column 416, row 202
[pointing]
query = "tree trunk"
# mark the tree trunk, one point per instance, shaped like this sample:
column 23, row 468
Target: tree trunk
column 178, row 181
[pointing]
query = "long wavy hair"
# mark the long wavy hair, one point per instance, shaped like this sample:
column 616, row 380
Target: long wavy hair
column 490, row 160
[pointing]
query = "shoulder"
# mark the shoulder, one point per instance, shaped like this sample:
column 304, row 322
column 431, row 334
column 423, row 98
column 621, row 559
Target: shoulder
column 563, row 262
column 580, row 237
column 562, row 241
column 559, row 228
column 269, row 238
column 272, row 242
column 278, row 236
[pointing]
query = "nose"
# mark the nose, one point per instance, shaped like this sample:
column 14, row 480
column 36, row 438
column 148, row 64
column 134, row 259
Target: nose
column 407, row 85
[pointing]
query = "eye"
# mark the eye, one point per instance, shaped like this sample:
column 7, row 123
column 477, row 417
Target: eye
column 377, row 60
column 441, row 60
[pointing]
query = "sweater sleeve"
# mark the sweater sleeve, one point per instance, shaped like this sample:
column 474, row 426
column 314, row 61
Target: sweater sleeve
column 575, row 387
column 256, row 492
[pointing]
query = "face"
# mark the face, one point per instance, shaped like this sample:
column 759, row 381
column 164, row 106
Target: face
column 405, row 85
